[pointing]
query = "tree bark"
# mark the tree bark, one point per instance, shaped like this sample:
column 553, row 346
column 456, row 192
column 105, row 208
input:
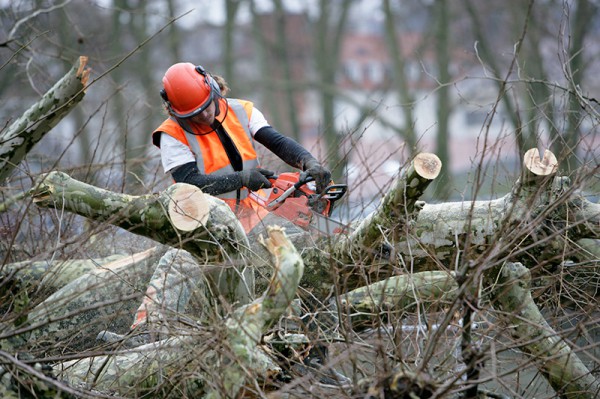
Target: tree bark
column 388, row 299
column 69, row 319
column 400, row 80
column 40, row 118
column 396, row 208
column 49, row 276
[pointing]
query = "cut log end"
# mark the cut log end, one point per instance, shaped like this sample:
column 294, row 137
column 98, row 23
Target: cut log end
column 545, row 166
column 275, row 240
column 188, row 208
column 427, row 165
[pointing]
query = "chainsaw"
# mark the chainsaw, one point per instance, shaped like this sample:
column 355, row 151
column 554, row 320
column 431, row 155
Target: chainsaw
column 294, row 197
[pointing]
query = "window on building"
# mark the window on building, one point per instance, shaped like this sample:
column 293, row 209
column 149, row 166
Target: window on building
column 374, row 72
column 353, row 71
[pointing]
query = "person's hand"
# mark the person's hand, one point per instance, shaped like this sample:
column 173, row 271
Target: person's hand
column 255, row 179
column 321, row 175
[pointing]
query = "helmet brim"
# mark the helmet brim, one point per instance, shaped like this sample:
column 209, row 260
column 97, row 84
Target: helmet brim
column 196, row 111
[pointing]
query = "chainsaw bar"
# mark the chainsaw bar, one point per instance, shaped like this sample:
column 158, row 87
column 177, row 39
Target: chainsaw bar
column 324, row 225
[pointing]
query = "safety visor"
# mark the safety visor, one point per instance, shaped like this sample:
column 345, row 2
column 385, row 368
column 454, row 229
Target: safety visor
column 196, row 111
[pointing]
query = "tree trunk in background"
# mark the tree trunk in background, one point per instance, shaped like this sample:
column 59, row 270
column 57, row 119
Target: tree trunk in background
column 229, row 29
column 139, row 132
column 174, row 35
column 119, row 105
column 542, row 113
column 580, row 24
column 407, row 102
column 83, row 136
column 285, row 60
column 444, row 184
column 521, row 25
column 487, row 54
column 328, row 38
column 140, row 122
column 265, row 67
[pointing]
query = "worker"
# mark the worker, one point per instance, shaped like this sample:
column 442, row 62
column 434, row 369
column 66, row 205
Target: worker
column 208, row 141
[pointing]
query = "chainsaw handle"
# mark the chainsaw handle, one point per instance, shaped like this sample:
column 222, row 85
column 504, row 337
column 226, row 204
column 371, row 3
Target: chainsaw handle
column 302, row 180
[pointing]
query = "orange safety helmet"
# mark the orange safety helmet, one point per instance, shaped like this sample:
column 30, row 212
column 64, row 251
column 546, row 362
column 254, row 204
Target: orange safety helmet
column 188, row 89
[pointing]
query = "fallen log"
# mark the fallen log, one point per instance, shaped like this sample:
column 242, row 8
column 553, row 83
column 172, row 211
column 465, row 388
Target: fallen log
column 69, row 319
column 50, row 276
column 181, row 216
column 391, row 298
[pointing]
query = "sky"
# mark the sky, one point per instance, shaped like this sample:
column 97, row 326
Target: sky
column 214, row 10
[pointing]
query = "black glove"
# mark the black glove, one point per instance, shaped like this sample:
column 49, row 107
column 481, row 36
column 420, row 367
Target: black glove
column 321, row 175
column 255, row 179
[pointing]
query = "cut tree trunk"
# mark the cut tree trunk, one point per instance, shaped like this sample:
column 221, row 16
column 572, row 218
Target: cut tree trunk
column 181, row 216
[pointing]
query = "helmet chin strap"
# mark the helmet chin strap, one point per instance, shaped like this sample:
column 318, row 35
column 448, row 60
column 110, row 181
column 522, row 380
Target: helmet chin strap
column 217, row 108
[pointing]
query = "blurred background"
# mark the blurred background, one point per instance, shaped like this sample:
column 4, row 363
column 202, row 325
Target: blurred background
column 363, row 84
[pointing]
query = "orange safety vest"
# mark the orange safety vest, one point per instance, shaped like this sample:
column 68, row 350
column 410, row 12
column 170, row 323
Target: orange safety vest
column 212, row 159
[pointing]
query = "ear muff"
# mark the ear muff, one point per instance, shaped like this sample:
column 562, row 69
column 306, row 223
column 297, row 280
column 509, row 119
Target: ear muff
column 210, row 81
column 163, row 95
column 165, row 98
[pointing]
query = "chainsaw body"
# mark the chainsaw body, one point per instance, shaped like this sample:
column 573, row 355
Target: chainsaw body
column 297, row 201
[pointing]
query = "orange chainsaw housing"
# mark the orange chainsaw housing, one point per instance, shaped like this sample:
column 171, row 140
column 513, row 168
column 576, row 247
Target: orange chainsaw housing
column 295, row 208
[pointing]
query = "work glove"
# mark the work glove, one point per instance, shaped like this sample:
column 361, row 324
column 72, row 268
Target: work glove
column 321, row 175
column 255, row 179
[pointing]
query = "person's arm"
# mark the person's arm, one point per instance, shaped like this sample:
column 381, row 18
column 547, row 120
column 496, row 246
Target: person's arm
column 254, row 179
column 294, row 155
column 213, row 185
